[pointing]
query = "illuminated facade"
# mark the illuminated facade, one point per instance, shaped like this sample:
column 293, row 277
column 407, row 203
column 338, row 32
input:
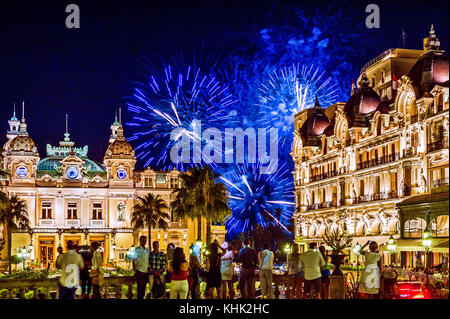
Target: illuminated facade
column 355, row 161
column 71, row 197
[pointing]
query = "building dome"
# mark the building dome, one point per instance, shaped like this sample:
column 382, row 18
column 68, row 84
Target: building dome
column 120, row 148
column 23, row 143
column 315, row 125
column 432, row 69
column 364, row 101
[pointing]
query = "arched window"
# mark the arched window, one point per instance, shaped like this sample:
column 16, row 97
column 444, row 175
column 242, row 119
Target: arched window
column 414, row 228
column 439, row 226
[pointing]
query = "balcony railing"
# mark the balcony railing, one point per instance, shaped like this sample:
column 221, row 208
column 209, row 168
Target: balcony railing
column 414, row 118
column 46, row 222
column 317, row 206
column 374, row 197
column 435, row 146
column 325, row 175
column 178, row 225
column 380, row 160
column 97, row 223
column 72, row 222
column 440, row 182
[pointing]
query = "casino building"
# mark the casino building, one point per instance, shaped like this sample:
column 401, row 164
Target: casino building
column 358, row 163
column 72, row 197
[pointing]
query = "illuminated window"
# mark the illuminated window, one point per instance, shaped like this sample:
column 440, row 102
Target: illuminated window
column 72, row 211
column 97, row 211
column 415, row 227
column 148, row 182
column 46, row 210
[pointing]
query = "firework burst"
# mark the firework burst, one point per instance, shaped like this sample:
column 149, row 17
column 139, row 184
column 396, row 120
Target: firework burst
column 180, row 97
column 290, row 90
column 255, row 198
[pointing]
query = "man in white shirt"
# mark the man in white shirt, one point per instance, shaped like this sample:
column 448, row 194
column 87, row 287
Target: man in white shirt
column 140, row 266
column 312, row 261
column 70, row 264
column 265, row 258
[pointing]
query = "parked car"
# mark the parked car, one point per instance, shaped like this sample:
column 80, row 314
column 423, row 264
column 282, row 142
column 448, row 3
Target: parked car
column 414, row 290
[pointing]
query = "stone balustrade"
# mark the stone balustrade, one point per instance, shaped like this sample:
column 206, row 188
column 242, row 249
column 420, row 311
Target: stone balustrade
column 51, row 287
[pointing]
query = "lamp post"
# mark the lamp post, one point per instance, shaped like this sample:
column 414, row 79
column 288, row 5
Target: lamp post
column 23, row 254
column 391, row 247
column 357, row 250
column 426, row 242
column 130, row 255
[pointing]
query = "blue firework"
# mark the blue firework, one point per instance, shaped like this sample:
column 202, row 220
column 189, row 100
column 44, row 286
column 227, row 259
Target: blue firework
column 255, row 198
column 290, row 90
column 180, row 97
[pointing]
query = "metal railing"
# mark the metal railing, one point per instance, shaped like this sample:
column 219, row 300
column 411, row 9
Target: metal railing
column 440, row 182
column 378, row 161
column 374, row 197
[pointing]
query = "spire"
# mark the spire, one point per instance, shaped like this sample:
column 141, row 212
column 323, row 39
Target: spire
column 432, row 42
column 115, row 127
column 23, row 125
column 403, row 38
column 23, row 111
column 67, row 142
column 115, row 119
column 66, row 134
column 14, row 125
column 317, row 104
column 120, row 116
column 364, row 80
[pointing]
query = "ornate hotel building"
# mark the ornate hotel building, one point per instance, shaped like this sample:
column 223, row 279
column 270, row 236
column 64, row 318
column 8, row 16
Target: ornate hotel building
column 356, row 161
column 71, row 197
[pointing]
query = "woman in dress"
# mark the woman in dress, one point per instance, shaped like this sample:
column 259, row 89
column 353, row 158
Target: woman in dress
column 227, row 271
column 295, row 273
column 214, row 279
column 179, row 286
column 369, row 286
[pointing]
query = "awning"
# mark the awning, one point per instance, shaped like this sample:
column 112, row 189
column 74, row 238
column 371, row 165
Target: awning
column 364, row 239
column 439, row 245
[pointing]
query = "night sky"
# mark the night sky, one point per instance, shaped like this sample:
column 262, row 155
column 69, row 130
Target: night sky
column 88, row 72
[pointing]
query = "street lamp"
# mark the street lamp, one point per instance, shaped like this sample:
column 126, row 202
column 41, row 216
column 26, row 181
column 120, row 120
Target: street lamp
column 426, row 242
column 130, row 255
column 391, row 247
column 23, row 254
column 357, row 251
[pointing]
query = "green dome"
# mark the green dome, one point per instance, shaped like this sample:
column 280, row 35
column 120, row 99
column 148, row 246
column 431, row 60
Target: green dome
column 53, row 162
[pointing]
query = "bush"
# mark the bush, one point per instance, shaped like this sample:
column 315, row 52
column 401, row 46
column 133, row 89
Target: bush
column 4, row 294
column 29, row 294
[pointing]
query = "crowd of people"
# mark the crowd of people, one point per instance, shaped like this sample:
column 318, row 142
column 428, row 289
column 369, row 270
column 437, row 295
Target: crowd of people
column 308, row 272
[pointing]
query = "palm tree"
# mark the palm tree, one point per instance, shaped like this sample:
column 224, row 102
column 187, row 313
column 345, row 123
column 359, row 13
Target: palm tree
column 201, row 196
column 13, row 216
column 150, row 211
column 4, row 174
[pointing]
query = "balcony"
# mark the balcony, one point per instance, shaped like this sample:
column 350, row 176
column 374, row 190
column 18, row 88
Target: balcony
column 374, row 197
column 46, row 222
column 414, row 118
column 97, row 223
column 435, row 146
column 72, row 223
column 325, row 175
column 178, row 225
column 440, row 182
column 380, row 160
column 317, row 206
